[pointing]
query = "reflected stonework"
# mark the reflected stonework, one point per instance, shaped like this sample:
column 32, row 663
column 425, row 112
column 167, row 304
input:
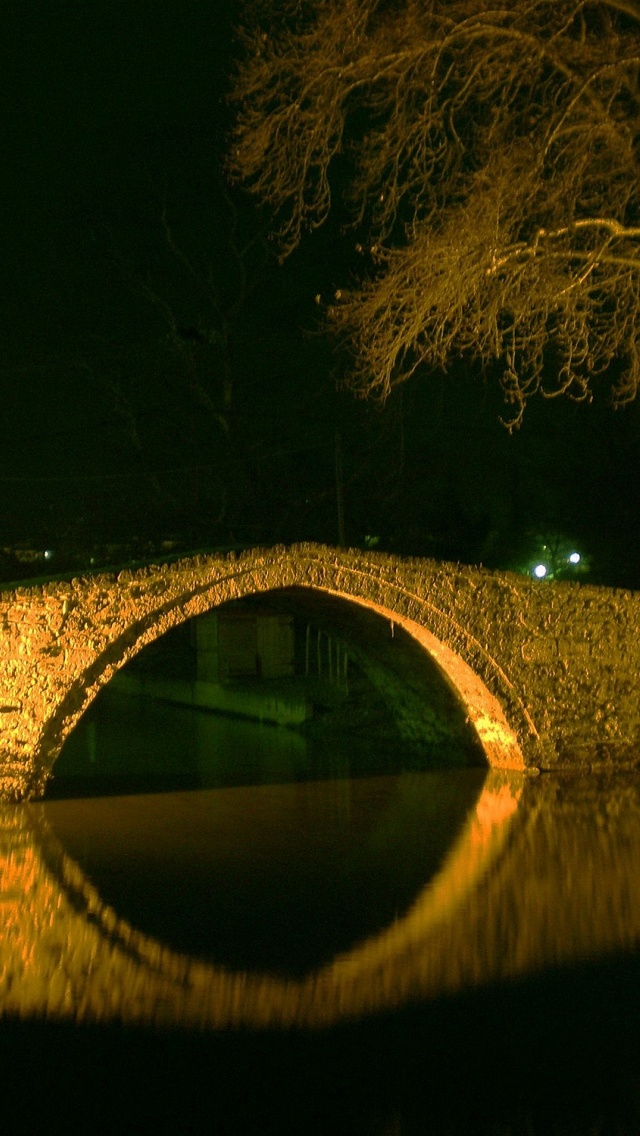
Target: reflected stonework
column 543, row 872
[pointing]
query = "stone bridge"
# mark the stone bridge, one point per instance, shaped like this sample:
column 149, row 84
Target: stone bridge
column 546, row 673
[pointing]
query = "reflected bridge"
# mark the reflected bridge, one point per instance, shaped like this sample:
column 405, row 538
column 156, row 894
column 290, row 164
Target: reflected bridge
column 545, row 673
column 486, row 917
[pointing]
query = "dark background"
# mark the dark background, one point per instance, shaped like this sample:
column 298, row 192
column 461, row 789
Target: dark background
column 166, row 384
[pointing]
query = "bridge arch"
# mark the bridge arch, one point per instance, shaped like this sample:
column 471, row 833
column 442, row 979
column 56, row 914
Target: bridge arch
column 191, row 588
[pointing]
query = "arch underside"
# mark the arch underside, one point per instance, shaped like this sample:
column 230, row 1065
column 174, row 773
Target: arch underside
column 485, row 714
column 488, row 700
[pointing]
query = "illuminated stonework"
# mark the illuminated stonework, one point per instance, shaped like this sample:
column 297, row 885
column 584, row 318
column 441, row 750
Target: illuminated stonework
column 546, row 672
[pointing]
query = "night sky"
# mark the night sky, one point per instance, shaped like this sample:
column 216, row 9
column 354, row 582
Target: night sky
column 164, row 379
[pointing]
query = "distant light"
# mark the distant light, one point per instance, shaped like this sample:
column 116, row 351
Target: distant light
column 540, row 571
column 48, row 554
column 575, row 558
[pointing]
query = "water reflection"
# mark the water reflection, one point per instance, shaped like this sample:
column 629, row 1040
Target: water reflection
column 125, row 744
column 461, row 935
column 104, row 965
column 277, row 879
column 539, row 874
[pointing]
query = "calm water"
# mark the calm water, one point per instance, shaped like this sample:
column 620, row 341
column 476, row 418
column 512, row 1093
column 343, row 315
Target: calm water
column 306, row 940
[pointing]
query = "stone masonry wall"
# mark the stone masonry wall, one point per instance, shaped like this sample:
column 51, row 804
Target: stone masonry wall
column 548, row 672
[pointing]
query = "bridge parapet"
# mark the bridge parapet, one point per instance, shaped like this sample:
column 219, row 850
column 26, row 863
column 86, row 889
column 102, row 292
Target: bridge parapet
column 547, row 672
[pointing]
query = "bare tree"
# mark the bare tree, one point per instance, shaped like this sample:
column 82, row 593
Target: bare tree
column 489, row 156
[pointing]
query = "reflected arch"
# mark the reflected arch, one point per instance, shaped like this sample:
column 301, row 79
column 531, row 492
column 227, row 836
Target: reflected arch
column 156, row 600
column 92, row 965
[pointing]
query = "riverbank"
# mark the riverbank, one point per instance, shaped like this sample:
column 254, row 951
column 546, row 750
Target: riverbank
column 559, row 1054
